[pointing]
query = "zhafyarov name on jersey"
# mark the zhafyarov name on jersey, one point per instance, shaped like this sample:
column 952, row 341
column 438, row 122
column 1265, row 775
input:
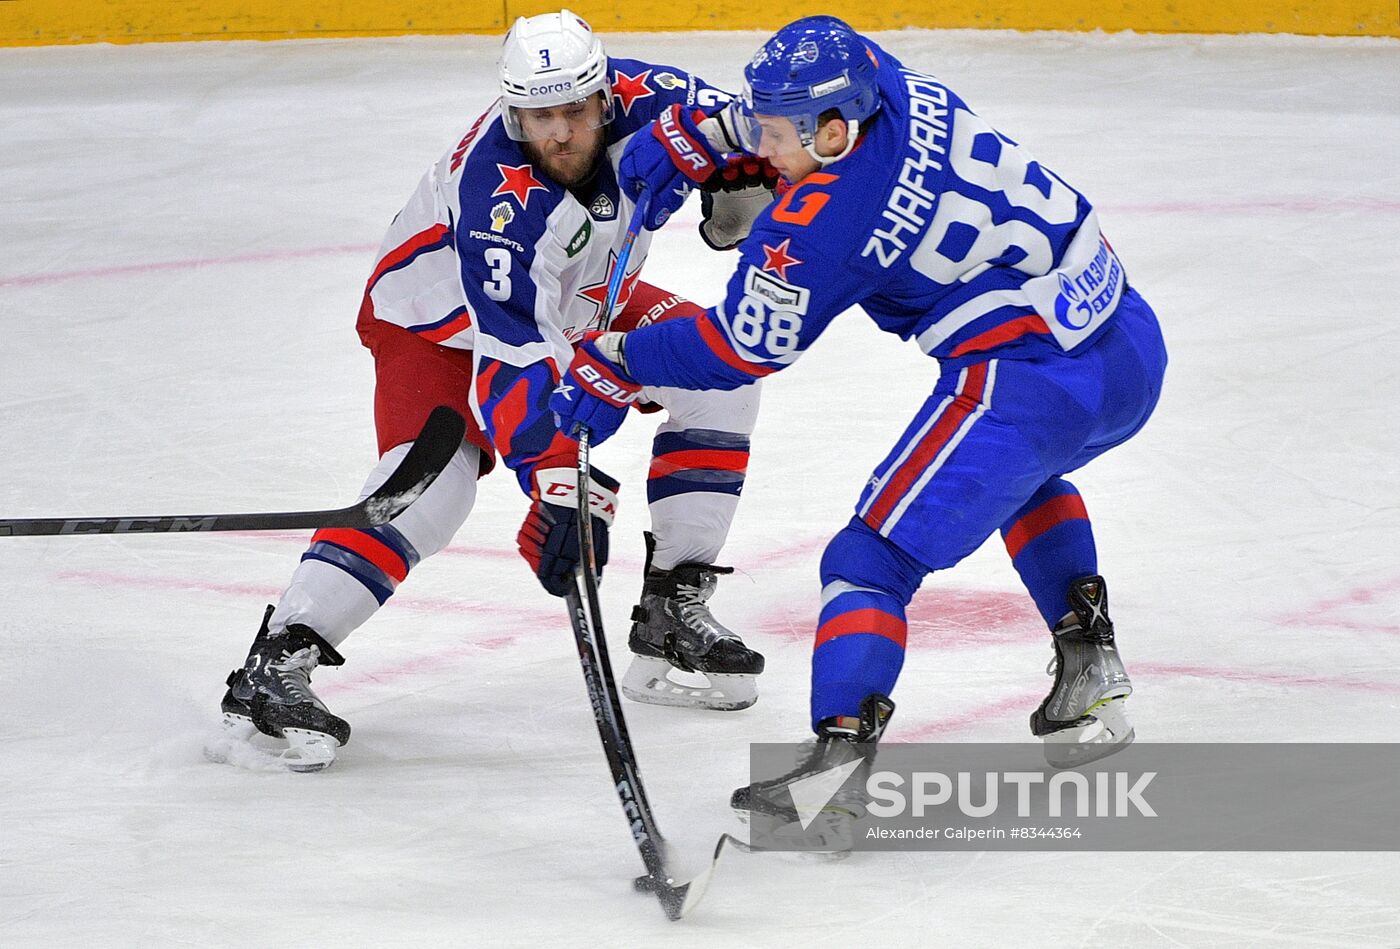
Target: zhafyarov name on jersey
column 910, row 199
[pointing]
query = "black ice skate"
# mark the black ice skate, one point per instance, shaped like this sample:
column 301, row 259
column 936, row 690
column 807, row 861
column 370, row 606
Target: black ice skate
column 272, row 694
column 1084, row 717
column 673, row 631
column 795, row 810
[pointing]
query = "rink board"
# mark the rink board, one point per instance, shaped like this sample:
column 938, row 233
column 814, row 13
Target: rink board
column 47, row 22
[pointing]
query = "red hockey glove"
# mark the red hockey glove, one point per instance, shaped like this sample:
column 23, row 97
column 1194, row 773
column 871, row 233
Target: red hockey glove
column 548, row 540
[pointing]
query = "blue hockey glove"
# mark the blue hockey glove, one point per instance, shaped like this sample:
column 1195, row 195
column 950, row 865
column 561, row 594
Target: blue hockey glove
column 596, row 391
column 548, row 540
column 667, row 163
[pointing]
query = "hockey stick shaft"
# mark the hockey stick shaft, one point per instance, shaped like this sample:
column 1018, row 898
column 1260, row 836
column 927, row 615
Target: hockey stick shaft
column 585, row 615
column 619, row 271
column 430, row 453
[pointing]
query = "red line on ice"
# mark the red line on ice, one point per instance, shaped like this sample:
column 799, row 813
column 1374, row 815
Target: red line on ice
column 1021, row 703
column 535, row 617
column 1292, row 205
column 940, row 618
column 160, row 266
column 1324, row 612
column 421, row 663
column 1259, row 677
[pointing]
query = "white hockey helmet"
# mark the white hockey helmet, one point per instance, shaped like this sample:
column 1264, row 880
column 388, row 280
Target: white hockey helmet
column 549, row 60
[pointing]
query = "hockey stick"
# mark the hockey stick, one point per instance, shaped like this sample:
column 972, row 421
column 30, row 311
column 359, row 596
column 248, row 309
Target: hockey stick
column 430, row 453
column 585, row 615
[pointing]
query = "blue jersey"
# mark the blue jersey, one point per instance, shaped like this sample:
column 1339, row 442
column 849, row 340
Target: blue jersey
column 492, row 255
column 943, row 230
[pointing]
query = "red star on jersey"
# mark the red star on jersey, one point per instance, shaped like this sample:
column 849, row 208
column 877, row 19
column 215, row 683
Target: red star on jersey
column 628, row 89
column 517, row 180
column 777, row 259
column 597, row 293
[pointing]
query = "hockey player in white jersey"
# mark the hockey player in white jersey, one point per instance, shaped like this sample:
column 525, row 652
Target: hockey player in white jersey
column 487, row 279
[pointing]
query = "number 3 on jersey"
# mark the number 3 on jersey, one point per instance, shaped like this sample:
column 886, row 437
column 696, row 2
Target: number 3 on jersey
column 497, row 286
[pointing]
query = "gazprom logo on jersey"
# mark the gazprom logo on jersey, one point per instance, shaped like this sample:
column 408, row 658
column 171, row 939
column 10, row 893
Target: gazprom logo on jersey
column 1092, row 291
column 1071, row 298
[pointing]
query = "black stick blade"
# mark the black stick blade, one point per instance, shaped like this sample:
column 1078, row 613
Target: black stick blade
column 673, row 898
column 429, row 454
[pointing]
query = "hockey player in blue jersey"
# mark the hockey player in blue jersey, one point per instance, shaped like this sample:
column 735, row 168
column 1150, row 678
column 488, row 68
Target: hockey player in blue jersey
column 487, row 278
column 946, row 232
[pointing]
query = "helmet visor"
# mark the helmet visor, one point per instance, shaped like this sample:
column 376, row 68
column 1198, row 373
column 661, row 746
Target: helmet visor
column 557, row 122
column 746, row 127
column 783, row 131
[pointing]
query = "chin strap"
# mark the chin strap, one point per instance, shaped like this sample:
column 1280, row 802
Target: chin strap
column 852, row 133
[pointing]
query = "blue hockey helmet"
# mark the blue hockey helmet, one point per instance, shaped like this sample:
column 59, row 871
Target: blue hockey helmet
column 808, row 67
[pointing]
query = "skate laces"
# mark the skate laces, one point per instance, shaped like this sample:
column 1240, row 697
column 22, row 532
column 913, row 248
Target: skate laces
column 305, row 658
column 294, row 670
column 695, row 612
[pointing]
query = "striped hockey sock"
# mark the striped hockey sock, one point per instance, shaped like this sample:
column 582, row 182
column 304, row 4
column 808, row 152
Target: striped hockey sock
column 1051, row 544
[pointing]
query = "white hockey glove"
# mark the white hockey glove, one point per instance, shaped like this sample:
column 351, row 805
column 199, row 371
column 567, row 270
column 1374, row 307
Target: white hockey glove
column 733, row 197
column 721, row 129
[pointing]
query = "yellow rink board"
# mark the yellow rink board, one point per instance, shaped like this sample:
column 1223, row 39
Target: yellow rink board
column 44, row 22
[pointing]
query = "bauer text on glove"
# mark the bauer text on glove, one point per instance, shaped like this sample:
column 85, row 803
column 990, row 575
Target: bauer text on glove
column 668, row 162
column 596, row 390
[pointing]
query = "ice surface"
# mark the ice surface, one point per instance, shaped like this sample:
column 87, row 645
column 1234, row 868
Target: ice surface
column 186, row 230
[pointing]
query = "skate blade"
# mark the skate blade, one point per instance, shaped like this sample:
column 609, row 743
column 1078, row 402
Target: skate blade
column 653, row 682
column 240, row 745
column 1107, row 733
column 308, row 751
column 831, row 834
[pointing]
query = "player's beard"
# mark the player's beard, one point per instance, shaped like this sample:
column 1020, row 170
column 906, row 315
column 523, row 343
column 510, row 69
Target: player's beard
column 569, row 163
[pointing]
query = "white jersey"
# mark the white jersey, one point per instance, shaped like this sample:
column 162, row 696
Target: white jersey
column 492, row 255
